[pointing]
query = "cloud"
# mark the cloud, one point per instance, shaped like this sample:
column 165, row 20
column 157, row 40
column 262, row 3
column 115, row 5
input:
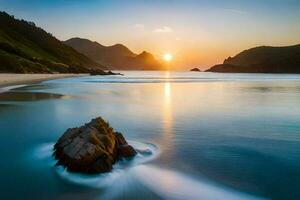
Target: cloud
column 241, row 12
column 139, row 26
column 164, row 29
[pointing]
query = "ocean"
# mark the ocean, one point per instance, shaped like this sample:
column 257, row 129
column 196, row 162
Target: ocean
column 205, row 136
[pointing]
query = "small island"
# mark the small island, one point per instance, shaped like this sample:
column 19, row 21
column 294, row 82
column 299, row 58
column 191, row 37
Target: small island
column 195, row 70
column 92, row 148
column 103, row 73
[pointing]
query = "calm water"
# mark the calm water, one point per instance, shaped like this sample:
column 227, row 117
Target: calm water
column 209, row 136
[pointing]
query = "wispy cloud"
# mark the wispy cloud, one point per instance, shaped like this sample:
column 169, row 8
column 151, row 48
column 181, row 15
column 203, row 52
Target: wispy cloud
column 164, row 29
column 241, row 12
column 139, row 26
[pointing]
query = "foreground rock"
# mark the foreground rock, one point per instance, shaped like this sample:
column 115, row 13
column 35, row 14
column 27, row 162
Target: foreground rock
column 92, row 148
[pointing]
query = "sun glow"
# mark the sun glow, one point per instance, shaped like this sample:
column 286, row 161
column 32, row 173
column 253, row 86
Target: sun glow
column 168, row 57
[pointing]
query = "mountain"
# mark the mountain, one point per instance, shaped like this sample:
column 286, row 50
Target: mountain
column 26, row 48
column 115, row 57
column 263, row 59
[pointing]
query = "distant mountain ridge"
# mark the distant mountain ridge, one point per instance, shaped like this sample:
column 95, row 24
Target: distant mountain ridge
column 115, row 57
column 264, row 59
column 26, row 48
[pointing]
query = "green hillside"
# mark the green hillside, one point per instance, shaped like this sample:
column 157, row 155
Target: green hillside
column 26, row 48
column 263, row 59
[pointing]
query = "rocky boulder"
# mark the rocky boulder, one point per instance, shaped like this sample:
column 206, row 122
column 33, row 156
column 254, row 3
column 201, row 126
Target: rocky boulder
column 92, row 148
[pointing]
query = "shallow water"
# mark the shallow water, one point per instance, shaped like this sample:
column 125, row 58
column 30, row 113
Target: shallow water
column 207, row 136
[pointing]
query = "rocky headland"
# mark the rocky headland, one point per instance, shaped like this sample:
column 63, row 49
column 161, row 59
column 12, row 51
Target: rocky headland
column 263, row 59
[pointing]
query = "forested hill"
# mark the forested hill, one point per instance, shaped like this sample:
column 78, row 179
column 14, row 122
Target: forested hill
column 26, row 48
column 263, row 59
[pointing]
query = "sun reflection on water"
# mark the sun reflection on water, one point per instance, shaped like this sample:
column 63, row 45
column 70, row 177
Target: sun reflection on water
column 167, row 118
column 167, row 92
column 167, row 105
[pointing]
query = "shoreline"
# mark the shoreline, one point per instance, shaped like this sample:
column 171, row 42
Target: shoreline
column 8, row 80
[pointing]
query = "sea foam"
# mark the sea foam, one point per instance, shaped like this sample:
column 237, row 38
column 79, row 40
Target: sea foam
column 138, row 176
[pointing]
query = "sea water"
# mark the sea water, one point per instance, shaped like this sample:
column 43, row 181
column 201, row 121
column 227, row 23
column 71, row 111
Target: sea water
column 199, row 136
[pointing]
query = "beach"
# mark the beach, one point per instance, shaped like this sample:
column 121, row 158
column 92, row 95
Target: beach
column 20, row 79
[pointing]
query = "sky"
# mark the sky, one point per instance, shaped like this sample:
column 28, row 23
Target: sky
column 198, row 33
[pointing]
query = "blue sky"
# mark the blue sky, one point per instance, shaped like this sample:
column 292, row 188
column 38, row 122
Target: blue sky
column 196, row 32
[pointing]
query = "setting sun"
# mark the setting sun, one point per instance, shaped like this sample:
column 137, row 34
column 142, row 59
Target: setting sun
column 168, row 57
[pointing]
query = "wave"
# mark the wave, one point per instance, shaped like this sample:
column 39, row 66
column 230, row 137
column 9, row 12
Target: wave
column 5, row 89
column 138, row 177
column 178, row 186
column 146, row 153
column 151, row 81
column 178, row 77
column 182, row 80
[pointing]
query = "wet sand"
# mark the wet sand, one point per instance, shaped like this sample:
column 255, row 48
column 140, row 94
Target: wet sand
column 20, row 79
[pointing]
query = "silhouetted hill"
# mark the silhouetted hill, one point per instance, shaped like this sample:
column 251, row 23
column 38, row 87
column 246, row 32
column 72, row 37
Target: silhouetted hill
column 263, row 59
column 115, row 57
column 26, row 48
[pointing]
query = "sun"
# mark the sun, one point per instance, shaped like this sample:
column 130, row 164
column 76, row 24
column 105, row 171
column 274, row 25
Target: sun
column 168, row 57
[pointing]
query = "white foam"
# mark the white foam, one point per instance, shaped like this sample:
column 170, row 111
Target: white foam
column 146, row 153
column 5, row 89
column 131, row 176
column 178, row 186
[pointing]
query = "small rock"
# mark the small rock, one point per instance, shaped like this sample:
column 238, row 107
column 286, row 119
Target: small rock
column 195, row 70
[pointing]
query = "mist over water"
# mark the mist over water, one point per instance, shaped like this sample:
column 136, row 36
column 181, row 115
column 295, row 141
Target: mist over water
column 199, row 136
column 132, row 175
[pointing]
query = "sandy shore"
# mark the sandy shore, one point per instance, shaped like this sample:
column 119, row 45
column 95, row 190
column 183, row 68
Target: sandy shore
column 20, row 79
